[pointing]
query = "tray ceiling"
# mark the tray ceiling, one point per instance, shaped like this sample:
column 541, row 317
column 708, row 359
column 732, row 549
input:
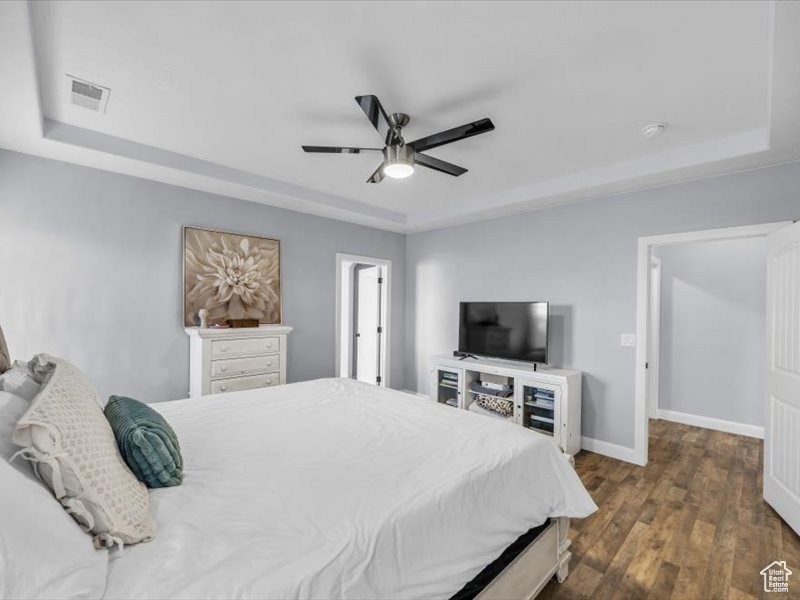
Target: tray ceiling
column 220, row 96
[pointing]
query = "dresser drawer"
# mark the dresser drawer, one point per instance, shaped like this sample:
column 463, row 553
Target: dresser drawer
column 244, row 347
column 244, row 383
column 243, row 366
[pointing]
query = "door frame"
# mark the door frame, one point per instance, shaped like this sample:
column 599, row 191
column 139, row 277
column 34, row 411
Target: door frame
column 643, row 262
column 344, row 313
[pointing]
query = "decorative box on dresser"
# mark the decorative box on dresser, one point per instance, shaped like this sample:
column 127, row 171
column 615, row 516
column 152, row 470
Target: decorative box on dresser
column 230, row 360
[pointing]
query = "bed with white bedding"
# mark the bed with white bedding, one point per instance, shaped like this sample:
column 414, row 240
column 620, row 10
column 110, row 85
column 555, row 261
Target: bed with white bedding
column 338, row 489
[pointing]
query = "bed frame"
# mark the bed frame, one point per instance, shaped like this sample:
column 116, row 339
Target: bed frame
column 529, row 572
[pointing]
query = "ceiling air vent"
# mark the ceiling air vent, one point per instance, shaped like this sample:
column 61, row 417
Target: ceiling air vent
column 88, row 95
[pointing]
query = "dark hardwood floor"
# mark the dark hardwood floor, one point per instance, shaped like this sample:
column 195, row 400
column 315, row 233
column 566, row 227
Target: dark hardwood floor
column 690, row 525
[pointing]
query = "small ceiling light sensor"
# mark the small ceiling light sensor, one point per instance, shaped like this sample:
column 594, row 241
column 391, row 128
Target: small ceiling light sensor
column 653, row 129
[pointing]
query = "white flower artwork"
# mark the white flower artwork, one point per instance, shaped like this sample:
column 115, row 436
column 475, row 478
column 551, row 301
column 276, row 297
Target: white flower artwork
column 232, row 276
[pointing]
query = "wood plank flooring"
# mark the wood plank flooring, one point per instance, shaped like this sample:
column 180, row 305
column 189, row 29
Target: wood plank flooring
column 690, row 525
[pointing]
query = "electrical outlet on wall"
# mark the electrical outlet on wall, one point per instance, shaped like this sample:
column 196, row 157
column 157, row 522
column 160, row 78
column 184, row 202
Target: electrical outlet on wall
column 627, row 339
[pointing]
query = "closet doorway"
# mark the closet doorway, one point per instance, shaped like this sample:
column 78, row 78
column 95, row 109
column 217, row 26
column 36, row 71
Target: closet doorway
column 650, row 353
column 708, row 330
column 776, row 322
column 362, row 318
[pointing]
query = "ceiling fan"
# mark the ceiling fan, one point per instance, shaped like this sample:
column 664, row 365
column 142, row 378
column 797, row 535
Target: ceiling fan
column 400, row 157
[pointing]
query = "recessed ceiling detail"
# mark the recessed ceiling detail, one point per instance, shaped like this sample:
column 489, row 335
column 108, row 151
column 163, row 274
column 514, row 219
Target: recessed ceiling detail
column 230, row 117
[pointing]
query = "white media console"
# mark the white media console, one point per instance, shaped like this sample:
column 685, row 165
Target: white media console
column 545, row 400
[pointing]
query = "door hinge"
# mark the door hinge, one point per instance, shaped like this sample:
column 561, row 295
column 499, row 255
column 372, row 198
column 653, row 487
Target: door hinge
column 378, row 379
column 646, row 365
column 380, row 279
column 380, row 329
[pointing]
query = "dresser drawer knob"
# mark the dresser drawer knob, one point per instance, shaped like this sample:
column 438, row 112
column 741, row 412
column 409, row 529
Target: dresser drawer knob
column 224, row 368
column 224, row 349
column 269, row 363
column 223, row 388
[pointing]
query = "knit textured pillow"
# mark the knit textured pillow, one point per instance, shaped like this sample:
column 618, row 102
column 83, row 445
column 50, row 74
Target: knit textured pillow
column 147, row 442
column 66, row 437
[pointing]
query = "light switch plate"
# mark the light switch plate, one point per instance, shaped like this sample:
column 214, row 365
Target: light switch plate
column 628, row 339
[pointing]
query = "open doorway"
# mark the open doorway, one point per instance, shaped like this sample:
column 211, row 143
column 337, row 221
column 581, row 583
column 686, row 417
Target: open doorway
column 362, row 318
column 649, row 398
column 707, row 344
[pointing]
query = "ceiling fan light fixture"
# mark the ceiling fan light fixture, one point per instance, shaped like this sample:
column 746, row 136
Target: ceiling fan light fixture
column 399, row 161
column 399, row 157
column 398, row 170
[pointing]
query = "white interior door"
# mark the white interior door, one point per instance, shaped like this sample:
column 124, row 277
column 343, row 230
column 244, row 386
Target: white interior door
column 654, row 335
column 782, row 423
column 367, row 319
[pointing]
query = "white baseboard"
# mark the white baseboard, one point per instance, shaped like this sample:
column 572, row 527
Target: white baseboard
column 609, row 449
column 711, row 423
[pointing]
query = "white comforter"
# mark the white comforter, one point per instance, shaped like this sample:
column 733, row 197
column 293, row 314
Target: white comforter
column 338, row 489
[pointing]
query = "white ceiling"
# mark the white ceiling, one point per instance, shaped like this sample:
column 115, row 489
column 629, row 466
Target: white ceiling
column 220, row 96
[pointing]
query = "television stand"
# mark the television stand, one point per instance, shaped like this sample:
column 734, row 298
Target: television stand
column 545, row 400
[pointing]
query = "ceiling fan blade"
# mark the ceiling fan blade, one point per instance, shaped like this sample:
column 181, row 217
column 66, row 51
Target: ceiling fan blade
column 339, row 149
column 377, row 116
column 377, row 176
column 438, row 165
column 452, row 135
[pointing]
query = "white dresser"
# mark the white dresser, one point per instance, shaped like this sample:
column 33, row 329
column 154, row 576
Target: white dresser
column 229, row 360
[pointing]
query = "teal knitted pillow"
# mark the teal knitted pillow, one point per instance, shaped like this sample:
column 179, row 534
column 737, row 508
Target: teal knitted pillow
column 146, row 441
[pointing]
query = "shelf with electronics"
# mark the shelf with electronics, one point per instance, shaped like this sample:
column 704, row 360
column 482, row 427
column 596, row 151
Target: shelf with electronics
column 544, row 400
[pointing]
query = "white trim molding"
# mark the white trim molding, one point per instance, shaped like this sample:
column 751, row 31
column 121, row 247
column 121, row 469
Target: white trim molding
column 608, row 449
column 711, row 423
column 645, row 245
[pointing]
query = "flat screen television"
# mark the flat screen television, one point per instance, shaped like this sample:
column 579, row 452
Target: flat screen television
column 511, row 330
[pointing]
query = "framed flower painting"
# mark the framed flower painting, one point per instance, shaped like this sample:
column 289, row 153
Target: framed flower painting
column 232, row 276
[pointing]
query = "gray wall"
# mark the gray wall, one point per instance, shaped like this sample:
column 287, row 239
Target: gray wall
column 582, row 258
column 713, row 327
column 90, row 269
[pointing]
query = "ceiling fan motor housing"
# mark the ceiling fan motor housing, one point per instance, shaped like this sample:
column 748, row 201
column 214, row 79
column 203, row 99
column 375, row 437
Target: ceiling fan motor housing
column 399, row 154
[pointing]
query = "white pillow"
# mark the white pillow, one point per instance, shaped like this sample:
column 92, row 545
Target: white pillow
column 20, row 381
column 43, row 553
column 67, row 437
